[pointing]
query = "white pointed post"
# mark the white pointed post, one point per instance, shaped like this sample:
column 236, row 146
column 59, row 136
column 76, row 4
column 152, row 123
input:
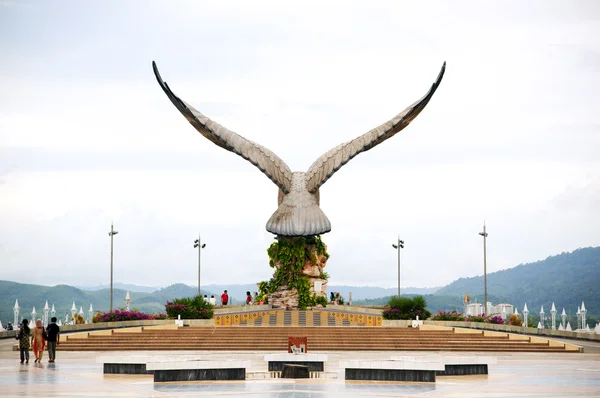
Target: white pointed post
column 46, row 311
column 16, row 309
column 53, row 311
column 553, row 313
column 563, row 319
column 541, row 318
column 33, row 314
column 59, row 322
column 67, row 318
column 516, row 311
column 81, row 313
column 568, row 328
column 127, row 301
column 583, row 314
column 73, row 312
column 525, row 314
column 91, row 313
column 578, row 317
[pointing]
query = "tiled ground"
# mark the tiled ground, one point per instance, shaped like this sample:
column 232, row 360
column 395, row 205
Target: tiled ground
column 516, row 375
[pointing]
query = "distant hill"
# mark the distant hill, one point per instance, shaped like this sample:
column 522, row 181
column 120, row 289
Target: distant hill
column 566, row 279
column 123, row 286
column 63, row 296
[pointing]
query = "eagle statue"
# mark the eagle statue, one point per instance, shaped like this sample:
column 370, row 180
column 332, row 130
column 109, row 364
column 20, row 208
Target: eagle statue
column 298, row 213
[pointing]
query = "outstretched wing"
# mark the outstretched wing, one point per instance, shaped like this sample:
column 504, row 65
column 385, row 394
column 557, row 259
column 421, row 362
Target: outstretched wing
column 269, row 163
column 332, row 161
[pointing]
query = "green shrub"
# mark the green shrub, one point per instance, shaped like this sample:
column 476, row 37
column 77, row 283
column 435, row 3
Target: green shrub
column 406, row 308
column 321, row 300
column 189, row 308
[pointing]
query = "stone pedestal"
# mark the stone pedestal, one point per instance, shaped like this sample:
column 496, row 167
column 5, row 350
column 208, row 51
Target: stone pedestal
column 286, row 297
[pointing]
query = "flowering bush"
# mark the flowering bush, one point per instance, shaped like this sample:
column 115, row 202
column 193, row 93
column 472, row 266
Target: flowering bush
column 448, row 316
column 121, row 315
column 406, row 308
column 496, row 319
column 189, row 308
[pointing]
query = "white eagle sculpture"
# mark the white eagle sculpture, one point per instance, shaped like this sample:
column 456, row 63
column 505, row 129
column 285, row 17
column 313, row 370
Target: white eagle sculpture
column 298, row 213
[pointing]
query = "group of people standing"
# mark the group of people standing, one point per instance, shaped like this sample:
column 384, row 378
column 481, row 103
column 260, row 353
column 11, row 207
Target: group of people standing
column 37, row 338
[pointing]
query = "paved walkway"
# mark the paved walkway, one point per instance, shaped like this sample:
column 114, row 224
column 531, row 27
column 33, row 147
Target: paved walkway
column 76, row 374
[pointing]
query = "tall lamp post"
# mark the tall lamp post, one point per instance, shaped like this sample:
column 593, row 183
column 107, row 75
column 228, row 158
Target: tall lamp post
column 112, row 233
column 398, row 246
column 198, row 244
column 53, row 312
column 484, row 234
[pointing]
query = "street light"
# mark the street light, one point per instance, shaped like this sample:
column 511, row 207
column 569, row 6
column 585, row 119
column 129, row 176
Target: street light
column 198, row 244
column 398, row 246
column 112, row 233
column 484, row 234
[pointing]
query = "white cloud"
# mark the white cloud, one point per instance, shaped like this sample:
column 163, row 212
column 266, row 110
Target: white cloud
column 87, row 136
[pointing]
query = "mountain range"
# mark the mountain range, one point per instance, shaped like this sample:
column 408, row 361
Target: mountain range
column 566, row 279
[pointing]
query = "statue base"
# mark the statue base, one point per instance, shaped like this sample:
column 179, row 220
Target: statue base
column 298, row 264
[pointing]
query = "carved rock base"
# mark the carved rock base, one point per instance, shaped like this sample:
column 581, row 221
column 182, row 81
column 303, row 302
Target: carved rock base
column 286, row 297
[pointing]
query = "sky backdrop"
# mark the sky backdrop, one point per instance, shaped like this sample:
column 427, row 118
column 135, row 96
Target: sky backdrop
column 512, row 136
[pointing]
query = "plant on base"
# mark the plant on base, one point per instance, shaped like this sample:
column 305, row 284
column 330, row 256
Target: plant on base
column 288, row 256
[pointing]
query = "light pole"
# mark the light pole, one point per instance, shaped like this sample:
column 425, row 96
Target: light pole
column 553, row 313
column 563, row 319
column 398, row 246
column 525, row 314
column 542, row 317
column 91, row 312
column 112, row 233
column 53, row 312
column 583, row 314
column 198, row 244
column 484, row 234
column 33, row 314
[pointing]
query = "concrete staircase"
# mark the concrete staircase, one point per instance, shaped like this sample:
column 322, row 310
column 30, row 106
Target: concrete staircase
column 234, row 338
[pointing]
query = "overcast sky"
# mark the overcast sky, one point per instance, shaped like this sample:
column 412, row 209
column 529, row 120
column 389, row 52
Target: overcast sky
column 512, row 136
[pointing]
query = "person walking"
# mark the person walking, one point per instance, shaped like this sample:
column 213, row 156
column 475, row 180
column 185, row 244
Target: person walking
column 224, row 298
column 53, row 332
column 38, row 340
column 23, row 337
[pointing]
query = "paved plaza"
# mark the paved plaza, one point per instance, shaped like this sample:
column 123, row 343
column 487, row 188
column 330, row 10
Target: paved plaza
column 77, row 374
